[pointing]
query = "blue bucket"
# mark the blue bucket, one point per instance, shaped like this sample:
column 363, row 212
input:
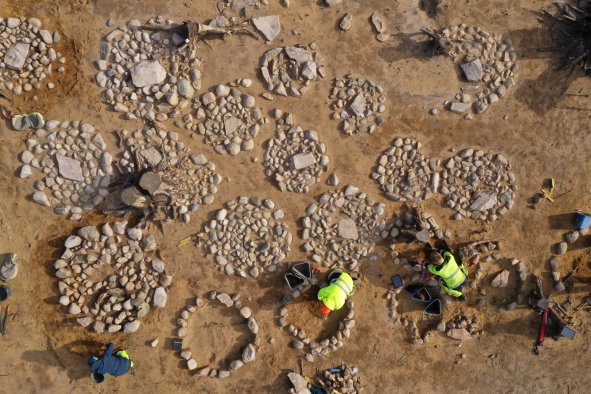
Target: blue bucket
column 582, row 220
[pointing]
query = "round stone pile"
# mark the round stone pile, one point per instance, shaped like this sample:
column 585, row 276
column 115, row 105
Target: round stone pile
column 249, row 351
column 288, row 71
column 247, row 236
column 109, row 277
column 26, row 55
column 357, row 104
column 486, row 59
column 342, row 227
column 295, row 158
column 153, row 148
column 229, row 120
column 322, row 347
column 404, row 174
column 76, row 167
column 146, row 72
column 478, row 185
column 345, row 381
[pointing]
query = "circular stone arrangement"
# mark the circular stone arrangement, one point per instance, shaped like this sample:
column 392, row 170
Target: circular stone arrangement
column 76, row 166
column 486, row 59
column 404, row 174
column 358, row 104
column 26, row 56
column 229, row 119
column 288, row 71
column 295, row 158
column 147, row 71
column 154, row 148
column 247, row 235
column 345, row 381
column 323, row 347
column 478, row 185
column 111, row 277
column 249, row 351
column 342, row 227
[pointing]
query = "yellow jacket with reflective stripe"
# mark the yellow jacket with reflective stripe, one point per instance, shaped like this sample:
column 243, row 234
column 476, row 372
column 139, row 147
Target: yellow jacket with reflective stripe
column 451, row 274
column 335, row 294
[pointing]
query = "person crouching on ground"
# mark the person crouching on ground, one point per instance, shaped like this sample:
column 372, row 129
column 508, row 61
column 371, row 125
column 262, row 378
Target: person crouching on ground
column 452, row 277
column 340, row 287
column 115, row 364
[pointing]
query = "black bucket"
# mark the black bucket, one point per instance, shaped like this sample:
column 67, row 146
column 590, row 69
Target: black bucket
column 303, row 269
column 421, row 295
column 97, row 377
column 5, row 292
column 434, row 307
column 293, row 281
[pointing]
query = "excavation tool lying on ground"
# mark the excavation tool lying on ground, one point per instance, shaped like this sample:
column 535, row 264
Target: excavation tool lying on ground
column 551, row 323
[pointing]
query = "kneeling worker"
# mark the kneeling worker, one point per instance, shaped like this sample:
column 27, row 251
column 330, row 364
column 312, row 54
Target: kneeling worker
column 334, row 296
column 452, row 277
column 116, row 365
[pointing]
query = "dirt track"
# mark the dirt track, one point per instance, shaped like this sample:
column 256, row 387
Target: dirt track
column 46, row 352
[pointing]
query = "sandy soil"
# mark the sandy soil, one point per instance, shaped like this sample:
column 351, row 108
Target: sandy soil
column 45, row 352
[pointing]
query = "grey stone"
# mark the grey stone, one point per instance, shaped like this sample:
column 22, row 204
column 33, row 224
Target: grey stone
column 297, row 344
column 134, row 233
column 160, row 298
column 571, row 236
column 347, row 229
column 561, row 248
column 459, row 108
column 150, row 182
column 298, row 381
column 483, row 202
column 69, row 168
column 501, row 280
column 148, row 73
column 131, row 326
column 253, row 325
column 184, row 88
column 158, row 265
column 225, row 299
column 72, row 241
column 302, row 160
column 16, row 56
column 133, row 197
column 231, row 124
column 236, row 364
column 89, row 233
column 472, row 70
column 357, row 106
column 249, row 353
column 346, row 21
column 9, row 267
column 269, row 26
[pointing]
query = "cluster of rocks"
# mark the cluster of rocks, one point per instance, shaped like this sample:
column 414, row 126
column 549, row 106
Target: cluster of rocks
column 288, row 71
column 26, row 55
column 357, row 104
column 558, row 283
column 414, row 224
column 461, row 327
column 8, row 267
column 345, row 380
column 392, row 304
column 478, row 185
column 342, row 227
column 176, row 190
column 404, row 174
column 227, row 119
column 483, row 249
column 561, row 248
column 487, row 60
column 116, row 302
column 295, row 158
column 500, row 279
column 247, row 236
column 148, row 71
column 249, row 351
column 149, row 148
column 379, row 25
column 76, row 167
column 322, row 347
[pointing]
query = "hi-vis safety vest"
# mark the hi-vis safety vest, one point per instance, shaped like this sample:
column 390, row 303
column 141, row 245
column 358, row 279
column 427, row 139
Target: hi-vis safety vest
column 335, row 295
column 451, row 274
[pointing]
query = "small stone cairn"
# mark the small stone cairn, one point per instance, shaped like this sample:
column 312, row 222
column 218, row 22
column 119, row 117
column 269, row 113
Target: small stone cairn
column 119, row 301
column 295, row 158
column 76, row 165
column 247, row 236
column 26, row 55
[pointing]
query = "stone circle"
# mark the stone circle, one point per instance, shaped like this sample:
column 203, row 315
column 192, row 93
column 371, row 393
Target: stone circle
column 247, row 236
column 248, row 352
column 342, row 227
column 76, row 167
column 109, row 277
column 295, row 158
column 404, row 174
column 228, row 119
column 154, row 148
column 148, row 73
column 288, row 71
column 26, row 55
column 488, row 62
column 478, row 185
column 346, row 381
column 357, row 104
column 322, row 347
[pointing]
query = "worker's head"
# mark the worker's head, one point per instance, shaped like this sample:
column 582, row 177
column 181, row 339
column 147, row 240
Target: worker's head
column 436, row 258
column 324, row 309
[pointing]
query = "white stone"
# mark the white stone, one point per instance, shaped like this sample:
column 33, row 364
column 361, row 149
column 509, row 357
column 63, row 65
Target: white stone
column 148, row 73
column 269, row 26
